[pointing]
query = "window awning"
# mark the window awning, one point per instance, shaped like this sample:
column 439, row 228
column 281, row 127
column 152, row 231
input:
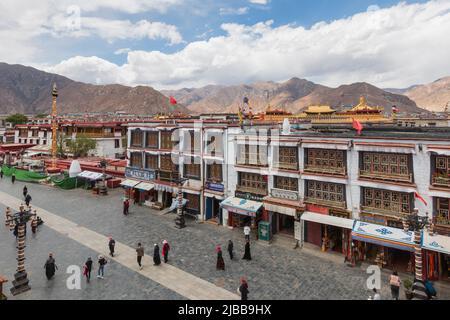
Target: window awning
column 280, row 209
column 326, row 219
column 383, row 236
column 241, row 206
column 90, row 175
column 145, row 186
column 129, row 183
column 436, row 243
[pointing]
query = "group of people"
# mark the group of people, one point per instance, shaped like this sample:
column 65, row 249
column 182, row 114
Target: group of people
column 156, row 255
column 220, row 265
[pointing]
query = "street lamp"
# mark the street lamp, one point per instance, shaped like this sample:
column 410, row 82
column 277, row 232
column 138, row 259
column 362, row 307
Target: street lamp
column 179, row 220
column 20, row 282
column 414, row 222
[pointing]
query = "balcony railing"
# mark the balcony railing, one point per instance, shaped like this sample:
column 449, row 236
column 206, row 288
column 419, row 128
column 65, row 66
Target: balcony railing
column 259, row 191
column 386, row 176
column 442, row 218
column 327, row 203
column 286, row 165
column 168, row 175
column 440, row 181
column 96, row 134
column 384, row 212
column 325, row 170
column 253, row 163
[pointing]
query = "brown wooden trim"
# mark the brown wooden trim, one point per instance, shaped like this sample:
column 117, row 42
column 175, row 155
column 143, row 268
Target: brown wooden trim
column 337, row 175
column 403, row 184
column 383, row 144
column 433, row 146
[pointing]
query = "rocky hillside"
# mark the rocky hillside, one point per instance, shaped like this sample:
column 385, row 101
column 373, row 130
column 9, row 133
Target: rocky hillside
column 433, row 96
column 28, row 90
column 293, row 95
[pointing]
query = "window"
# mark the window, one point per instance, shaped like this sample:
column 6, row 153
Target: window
column 166, row 140
column 136, row 159
column 326, row 193
column 387, row 166
column 116, row 143
column 391, row 202
column 286, row 158
column 214, row 172
column 286, row 183
column 23, row 133
column 45, row 134
column 34, row 133
column 252, row 155
column 214, row 145
column 166, row 163
column 192, row 169
column 325, row 161
column 136, row 138
column 193, row 203
column 441, row 172
column 151, row 161
column 192, row 141
column 442, row 213
column 252, row 182
column 151, row 139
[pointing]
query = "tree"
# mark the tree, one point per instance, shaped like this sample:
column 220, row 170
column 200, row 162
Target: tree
column 81, row 145
column 17, row 118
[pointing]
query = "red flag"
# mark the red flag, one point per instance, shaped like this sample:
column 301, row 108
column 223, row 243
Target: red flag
column 417, row 196
column 172, row 100
column 357, row 126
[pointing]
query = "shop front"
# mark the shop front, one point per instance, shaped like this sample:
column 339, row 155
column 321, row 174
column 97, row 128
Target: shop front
column 213, row 196
column 242, row 212
column 165, row 193
column 436, row 256
column 128, row 186
column 145, row 193
column 329, row 232
column 281, row 217
column 386, row 246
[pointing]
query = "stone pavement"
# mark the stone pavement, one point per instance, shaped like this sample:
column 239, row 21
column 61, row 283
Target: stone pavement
column 274, row 272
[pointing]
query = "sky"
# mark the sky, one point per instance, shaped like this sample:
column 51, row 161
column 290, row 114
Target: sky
column 171, row 44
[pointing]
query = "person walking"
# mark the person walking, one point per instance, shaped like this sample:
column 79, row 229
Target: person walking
column 50, row 266
column 156, row 257
column 125, row 207
column 101, row 266
column 220, row 265
column 111, row 245
column 27, row 200
column 230, row 249
column 394, row 281
column 243, row 289
column 88, row 269
column 247, row 255
column 25, row 191
column 140, row 254
column 247, row 232
column 13, row 178
column 165, row 251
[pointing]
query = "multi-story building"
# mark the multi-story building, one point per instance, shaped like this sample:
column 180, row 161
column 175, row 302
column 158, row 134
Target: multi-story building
column 110, row 137
column 333, row 189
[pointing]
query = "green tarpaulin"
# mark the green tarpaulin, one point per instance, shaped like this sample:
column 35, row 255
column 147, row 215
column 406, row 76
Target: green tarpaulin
column 22, row 175
column 65, row 182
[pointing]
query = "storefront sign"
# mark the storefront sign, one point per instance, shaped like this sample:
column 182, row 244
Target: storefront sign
column 316, row 209
column 284, row 194
column 214, row 186
column 139, row 174
column 248, row 196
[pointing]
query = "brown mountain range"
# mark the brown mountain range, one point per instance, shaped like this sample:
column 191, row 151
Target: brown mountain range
column 293, row 95
column 28, row 90
column 433, row 96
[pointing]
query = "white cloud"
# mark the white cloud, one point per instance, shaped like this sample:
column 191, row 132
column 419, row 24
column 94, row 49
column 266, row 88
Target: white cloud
column 233, row 11
column 263, row 2
column 391, row 47
column 373, row 7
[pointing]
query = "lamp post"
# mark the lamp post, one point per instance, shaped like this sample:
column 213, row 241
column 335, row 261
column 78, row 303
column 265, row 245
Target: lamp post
column 179, row 220
column 20, row 282
column 414, row 222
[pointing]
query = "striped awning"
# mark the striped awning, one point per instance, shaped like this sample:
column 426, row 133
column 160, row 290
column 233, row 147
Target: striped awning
column 383, row 236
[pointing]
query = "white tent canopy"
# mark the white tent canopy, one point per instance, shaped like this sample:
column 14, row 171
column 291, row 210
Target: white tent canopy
column 90, row 175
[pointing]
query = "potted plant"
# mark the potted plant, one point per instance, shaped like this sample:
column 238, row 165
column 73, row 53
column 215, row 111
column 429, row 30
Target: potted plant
column 408, row 285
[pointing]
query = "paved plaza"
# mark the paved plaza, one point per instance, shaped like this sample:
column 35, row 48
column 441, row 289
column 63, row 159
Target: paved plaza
column 79, row 221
